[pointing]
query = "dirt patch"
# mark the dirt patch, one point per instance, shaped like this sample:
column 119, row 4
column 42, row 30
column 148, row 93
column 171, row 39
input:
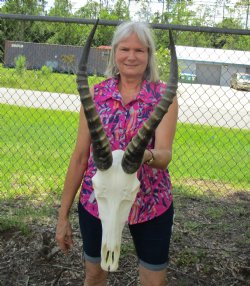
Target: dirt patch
column 210, row 246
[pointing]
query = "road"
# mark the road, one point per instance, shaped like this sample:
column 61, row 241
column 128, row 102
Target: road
column 199, row 104
column 214, row 105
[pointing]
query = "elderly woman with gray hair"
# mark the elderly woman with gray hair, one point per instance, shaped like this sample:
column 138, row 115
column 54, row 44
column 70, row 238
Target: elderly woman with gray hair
column 125, row 102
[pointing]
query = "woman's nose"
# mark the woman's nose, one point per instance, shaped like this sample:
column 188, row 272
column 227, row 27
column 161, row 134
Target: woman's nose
column 131, row 55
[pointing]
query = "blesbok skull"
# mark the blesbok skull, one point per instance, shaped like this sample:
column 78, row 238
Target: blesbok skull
column 115, row 182
column 115, row 192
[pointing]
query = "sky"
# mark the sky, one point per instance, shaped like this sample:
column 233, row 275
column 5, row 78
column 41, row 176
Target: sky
column 80, row 3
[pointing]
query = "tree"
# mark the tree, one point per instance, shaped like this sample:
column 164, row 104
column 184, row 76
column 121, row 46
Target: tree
column 24, row 7
column 91, row 10
column 145, row 13
column 63, row 33
column 226, row 41
column 61, row 8
column 242, row 6
column 95, row 10
column 20, row 30
column 177, row 12
column 121, row 10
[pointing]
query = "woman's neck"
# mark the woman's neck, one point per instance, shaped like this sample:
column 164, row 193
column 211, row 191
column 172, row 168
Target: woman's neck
column 129, row 88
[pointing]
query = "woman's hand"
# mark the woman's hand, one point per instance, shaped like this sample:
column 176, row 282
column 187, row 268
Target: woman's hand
column 64, row 235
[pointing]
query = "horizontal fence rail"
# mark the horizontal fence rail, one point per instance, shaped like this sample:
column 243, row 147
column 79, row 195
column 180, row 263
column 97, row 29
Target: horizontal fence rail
column 115, row 23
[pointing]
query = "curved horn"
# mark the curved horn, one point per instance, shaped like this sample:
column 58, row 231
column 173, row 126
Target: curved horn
column 101, row 148
column 135, row 150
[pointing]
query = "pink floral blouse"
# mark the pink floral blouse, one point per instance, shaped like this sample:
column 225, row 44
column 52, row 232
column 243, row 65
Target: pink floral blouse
column 121, row 123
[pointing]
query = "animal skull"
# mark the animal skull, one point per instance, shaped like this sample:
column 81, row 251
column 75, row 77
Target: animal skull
column 115, row 182
column 115, row 192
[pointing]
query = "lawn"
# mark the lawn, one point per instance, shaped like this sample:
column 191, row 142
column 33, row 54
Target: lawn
column 37, row 80
column 37, row 144
column 212, row 153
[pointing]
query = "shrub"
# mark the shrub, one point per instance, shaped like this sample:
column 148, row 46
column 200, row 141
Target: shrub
column 46, row 70
column 163, row 60
column 20, row 64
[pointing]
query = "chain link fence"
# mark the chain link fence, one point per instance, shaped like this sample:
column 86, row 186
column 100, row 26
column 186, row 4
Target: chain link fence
column 40, row 114
column 39, row 117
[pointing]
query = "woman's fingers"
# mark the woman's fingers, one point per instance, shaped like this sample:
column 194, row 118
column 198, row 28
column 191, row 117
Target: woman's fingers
column 64, row 237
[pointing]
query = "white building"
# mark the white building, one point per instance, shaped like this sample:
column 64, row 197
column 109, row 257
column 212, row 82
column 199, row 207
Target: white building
column 212, row 66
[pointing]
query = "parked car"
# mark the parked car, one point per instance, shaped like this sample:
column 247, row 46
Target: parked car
column 240, row 81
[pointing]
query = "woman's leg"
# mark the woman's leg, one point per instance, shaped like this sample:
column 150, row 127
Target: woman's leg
column 94, row 275
column 91, row 231
column 152, row 278
column 152, row 241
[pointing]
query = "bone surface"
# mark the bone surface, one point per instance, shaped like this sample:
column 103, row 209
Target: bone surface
column 115, row 192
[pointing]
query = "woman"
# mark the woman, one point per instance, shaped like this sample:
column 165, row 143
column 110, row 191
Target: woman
column 124, row 101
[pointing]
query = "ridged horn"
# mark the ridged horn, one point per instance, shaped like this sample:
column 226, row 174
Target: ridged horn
column 101, row 148
column 134, row 152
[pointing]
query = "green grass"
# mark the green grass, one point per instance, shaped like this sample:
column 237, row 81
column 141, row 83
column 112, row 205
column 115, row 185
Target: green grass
column 36, row 145
column 35, row 148
column 22, row 214
column 35, row 80
column 212, row 153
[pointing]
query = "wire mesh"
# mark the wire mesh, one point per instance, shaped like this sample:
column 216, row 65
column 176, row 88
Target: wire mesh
column 39, row 107
column 40, row 104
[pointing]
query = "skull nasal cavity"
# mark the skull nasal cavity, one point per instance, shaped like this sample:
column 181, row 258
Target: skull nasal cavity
column 107, row 256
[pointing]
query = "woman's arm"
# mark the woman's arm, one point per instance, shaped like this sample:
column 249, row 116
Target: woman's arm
column 77, row 166
column 164, row 137
column 74, row 176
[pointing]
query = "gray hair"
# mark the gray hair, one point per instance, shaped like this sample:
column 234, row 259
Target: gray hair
column 144, row 34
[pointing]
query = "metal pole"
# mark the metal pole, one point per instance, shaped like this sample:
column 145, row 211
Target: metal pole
column 115, row 23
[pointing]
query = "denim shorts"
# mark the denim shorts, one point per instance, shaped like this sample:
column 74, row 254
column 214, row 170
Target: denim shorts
column 151, row 239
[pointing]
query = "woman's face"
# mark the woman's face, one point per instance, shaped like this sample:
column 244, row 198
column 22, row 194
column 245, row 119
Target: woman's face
column 131, row 57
